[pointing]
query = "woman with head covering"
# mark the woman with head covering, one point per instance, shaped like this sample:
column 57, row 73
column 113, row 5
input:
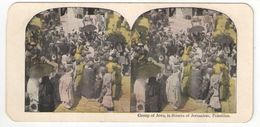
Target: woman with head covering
column 88, row 81
column 46, row 95
column 173, row 89
column 66, row 88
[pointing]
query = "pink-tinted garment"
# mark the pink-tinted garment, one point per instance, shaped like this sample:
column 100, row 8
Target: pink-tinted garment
column 66, row 90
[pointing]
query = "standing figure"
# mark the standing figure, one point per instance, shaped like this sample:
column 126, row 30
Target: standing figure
column 173, row 89
column 107, row 101
column 88, row 81
column 46, row 95
column 215, row 95
column 78, row 76
column 195, row 81
column 152, row 96
column 185, row 77
column 66, row 89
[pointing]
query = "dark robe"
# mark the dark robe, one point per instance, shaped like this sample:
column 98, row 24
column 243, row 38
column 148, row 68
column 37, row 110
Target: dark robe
column 204, row 88
column 98, row 87
column 88, row 83
column 152, row 96
column 46, row 95
column 163, row 96
column 195, row 84
column 118, row 78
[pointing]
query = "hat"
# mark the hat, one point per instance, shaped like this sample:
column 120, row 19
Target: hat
column 140, row 44
column 51, row 44
column 90, row 63
column 58, row 42
column 87, row 43
column 33, row 43
column 161, row 58
column 218, row 59
column 97, row 60
column 53, row 57
column 110, row 58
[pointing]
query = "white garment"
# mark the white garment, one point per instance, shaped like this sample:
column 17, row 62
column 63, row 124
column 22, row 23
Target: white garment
column 198, row 53
column 173, row 89
column 64, row 59
column 33, row 91
column 91, row 52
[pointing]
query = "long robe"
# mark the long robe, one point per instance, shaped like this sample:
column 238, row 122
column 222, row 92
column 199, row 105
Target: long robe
column 195, row 84
column 186, row 79
column 215, row 98
column 152, row 96
column 139, row 91
column 116, row 87
column 79, row 71
column 88, row 83
column 107, row 85
column 66, row 90
column 46, row 95
column 98, row 86
column 163, row 97
column 173, row 90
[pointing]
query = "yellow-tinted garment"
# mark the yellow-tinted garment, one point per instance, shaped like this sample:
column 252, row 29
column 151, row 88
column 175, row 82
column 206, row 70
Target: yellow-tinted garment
column 218, row 68
column 185, row 56
column 79, row 71
column 126, row 33
column 110, row 66
column 221, row 28
column 112, row 22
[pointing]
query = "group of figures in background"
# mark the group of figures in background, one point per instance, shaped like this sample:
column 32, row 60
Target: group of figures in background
column 171, row 55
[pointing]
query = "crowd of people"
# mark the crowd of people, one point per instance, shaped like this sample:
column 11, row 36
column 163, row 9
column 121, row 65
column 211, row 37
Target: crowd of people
column 63, row 65
column 194, row 62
